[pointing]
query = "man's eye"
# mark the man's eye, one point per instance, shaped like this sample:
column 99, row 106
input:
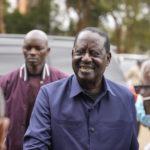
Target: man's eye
column 27, row 47
column 95, row 54
column 79, row 52
column 38, row 48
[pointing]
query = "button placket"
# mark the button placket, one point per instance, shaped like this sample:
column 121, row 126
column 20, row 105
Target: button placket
column 91, row 128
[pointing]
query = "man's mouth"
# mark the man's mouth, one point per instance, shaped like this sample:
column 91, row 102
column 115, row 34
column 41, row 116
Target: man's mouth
column 32, row 59
column 86, row 68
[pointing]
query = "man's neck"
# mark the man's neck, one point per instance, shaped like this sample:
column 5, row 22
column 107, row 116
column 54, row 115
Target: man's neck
column 90, row 87
column 35, row 70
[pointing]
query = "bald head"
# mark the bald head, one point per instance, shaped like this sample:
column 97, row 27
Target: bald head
column 145, row 72
column 35, row 50
column 37, row 35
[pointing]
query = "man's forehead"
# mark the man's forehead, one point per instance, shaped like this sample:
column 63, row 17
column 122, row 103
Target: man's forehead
column 33, row 38
column 90, row 38
column 36, row 35
column 36, row 39
column 84, row 35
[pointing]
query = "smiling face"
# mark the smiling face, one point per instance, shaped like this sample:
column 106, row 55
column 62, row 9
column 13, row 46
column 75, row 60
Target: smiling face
column 89, row 57
column 35, row 50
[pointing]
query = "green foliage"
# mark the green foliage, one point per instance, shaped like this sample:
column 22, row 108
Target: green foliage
column 130, row 34
column 89, row 12
column 130, row 24
column 5, row 5
column 17, row 23
column 37, row 17
column 142, row 34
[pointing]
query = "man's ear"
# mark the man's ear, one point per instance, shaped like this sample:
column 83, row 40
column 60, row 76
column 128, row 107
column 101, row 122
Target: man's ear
column 72, row 52
column 48, row 50
column 108, row 58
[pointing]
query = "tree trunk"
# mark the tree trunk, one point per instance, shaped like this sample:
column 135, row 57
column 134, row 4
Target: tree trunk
column 2, row 25
column 118, row 37
column 129, row 38
column 118, row 30
column 83, row 7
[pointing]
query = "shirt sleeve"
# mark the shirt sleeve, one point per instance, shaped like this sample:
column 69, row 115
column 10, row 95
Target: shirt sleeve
column 141, row 114
column 38, row 134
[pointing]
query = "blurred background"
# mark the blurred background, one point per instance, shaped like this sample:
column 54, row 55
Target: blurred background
column 127, row 23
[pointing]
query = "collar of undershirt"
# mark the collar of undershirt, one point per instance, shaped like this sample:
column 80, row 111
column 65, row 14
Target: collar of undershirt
column 34, row 75
column 93, row 96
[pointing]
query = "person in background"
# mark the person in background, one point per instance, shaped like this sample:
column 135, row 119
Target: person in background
column 21, row 86
column 144, row 97
column 88, row 111
column 132, row 76
column 4, row 122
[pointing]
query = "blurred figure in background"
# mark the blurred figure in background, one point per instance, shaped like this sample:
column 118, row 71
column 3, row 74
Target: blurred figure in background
column 4, row 122
column 132, row 76
column 21, row 86
column 143, row 99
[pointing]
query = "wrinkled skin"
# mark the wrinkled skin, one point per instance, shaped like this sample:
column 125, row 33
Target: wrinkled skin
column 89, row 60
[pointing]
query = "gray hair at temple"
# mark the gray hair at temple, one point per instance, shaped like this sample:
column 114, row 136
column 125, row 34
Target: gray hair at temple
column 98, row 31
column 145, row 70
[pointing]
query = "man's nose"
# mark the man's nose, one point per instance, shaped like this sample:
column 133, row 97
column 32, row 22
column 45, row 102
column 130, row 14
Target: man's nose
column 86, row 57
column 33, row 51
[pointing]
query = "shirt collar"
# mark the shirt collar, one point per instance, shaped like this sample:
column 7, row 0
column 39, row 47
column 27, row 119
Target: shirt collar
column 23, row 72
column 107, row 86
column 76, row 88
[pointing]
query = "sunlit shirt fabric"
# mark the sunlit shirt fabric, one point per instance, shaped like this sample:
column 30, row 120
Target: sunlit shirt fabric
column 65, row 118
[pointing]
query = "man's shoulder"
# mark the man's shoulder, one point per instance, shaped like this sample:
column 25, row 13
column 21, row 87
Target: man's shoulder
column 122, row 93
column 118, row 88
column 11, row 75
column 8, row 80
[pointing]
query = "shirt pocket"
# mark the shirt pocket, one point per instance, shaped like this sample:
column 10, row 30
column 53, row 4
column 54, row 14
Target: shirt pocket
column 116, row 124
column 118, row 134
column 68, row 123
column 75, row 128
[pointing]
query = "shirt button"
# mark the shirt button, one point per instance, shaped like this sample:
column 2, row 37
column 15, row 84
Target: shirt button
column 22, row 126
column 92, row 129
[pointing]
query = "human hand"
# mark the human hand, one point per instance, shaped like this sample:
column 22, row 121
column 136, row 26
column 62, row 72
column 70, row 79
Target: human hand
column 4, row 123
